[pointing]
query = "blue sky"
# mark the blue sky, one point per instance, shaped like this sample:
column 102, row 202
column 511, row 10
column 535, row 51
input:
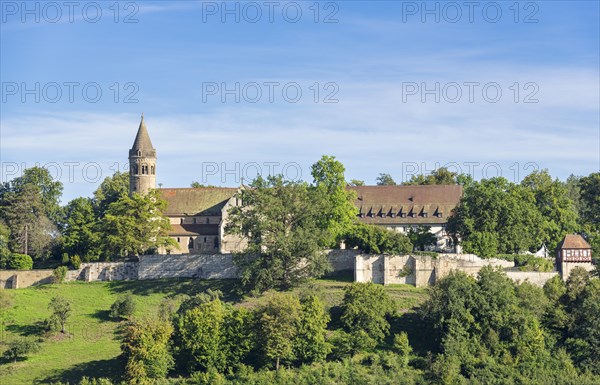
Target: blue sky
column 376, row 63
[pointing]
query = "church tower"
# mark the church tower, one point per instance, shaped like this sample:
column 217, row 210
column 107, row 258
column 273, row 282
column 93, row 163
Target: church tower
column 142, row 162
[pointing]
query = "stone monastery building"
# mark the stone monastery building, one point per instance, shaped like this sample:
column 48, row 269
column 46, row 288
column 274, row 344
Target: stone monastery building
column 198, row 215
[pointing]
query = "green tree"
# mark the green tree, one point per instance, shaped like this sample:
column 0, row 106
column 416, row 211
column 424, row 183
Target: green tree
column 589, row 210
column 376, row 240
column 440, row 176
column 110, row 190
column 20, row 348
column 402, row 347
column 282, row 225
column 123, row 307
column 590, row 198
column 421, row 237
column 134, row 225
column 59, row 274
column 310, row 343
column 60, row 308
column 145, row 347
column 338, row 211
column 20, row 262
column 385, row 180
column 554, row 204
column 80, row 234
column 495, row 212
column 584, row 343
column 366, row 308
column 356, row 182
column 50, row 190
column 25, row 215
column 4, row 242
column 279, row 320
column 200, row 185
column 200, row 330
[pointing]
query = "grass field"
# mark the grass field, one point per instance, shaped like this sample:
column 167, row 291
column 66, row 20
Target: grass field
column 92, row 348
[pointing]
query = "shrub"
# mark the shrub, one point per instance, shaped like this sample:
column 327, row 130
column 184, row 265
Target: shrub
column 402, row 347
column 75, row 262
column 366, row 308
column 123, row 307
column 375, row 240
column 532, row 263
column 59, row 274
column 20, row 262
column 20, row 348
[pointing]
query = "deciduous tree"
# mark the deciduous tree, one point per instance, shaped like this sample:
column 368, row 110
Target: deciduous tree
column 281, row 222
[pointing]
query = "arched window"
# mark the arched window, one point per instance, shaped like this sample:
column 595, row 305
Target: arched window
column 135, row 169
column 152, row 170
column 144, row 169
column 139, row 153
column 191, row 243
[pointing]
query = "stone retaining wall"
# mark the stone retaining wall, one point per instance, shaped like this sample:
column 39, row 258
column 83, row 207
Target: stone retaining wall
column 534, row 277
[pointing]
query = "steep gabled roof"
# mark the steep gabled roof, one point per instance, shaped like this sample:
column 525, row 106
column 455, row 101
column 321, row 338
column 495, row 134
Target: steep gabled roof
column 142, row 142
column 196, row 201
column 387, row 205
column 574, row 241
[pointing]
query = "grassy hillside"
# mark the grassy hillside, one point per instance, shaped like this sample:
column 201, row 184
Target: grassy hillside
column 92, row 347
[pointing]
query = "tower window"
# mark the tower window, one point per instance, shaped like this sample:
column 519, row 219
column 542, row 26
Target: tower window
column 135, row 168
column 144, row 169
column 152, row 170
column 139, row 153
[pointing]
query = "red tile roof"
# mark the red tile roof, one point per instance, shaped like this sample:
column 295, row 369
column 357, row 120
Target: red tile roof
column 388, row 205
column 574, row 241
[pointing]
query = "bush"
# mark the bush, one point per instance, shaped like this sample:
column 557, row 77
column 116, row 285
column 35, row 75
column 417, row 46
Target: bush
column 375, row 240
column 75, row 262
column 533, row 263
column 20, row 262
column 123, row 307
column 59, row 274
column 20, row 348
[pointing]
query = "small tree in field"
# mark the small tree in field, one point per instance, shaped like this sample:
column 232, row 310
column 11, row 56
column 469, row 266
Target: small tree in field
column 123, row 307
column 61, row 310
column 20, row 348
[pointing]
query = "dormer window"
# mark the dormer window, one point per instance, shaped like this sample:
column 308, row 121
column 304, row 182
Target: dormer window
column 139, row 152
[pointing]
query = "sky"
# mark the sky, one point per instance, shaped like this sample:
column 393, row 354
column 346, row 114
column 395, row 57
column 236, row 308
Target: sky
column 234, row 89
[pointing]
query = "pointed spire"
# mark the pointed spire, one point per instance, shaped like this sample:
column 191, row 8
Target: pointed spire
column 142, row 139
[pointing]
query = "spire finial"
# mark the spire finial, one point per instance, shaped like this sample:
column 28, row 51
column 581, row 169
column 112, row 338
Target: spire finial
column 142, row 116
